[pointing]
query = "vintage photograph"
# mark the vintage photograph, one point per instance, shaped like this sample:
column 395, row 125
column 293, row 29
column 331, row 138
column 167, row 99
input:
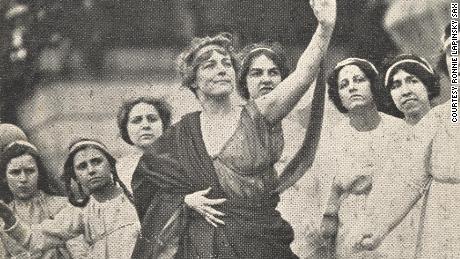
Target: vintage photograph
column 229, row 129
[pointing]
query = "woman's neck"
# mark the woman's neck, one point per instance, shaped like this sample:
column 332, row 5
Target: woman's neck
column 107, row 193
column 20, row 201
column 414, row 117
column 364, row 118
column 217, row 106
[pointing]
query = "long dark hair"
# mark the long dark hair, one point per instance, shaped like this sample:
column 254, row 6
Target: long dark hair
column 14, row 150
column 69, row 173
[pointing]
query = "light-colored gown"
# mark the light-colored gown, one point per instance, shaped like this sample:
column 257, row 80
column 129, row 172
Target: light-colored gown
column 42, row 206
column 431, row 167
column 110, row 228
column 440, row 138
column 365, row 153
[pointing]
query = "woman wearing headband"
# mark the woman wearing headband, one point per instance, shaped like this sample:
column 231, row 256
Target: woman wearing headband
column 263, row 67
column 360, row 142
column 432, row 170
column 26, row 190
column 107, row 219
column 140, row 121
column 413, row 85
column 215, row 167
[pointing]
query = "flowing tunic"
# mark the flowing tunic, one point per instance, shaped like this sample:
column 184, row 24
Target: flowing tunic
column 430, row 168
column 242, row 172
column 437, row 158
column 110, row 228
column 41, row 207
column 364, row 153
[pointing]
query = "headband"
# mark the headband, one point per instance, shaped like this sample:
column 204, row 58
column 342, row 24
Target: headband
column 350, row 61
column 447, row 42
column 426, row 66
column 209, row 47
column 245, row 59
column 22, row 143
column 86, row 143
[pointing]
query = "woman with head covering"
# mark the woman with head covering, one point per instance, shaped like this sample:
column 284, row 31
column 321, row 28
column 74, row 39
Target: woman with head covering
column 140, row 121
column 214, row 169
column 27, row 192
column 107, row 219
column 359, row 150
column 413, row 84
column 10, row 133
column 433, row 169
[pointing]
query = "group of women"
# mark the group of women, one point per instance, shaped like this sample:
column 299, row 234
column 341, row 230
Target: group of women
column 206, row 186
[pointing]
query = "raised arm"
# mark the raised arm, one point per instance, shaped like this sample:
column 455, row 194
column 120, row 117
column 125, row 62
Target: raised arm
column 277, row 104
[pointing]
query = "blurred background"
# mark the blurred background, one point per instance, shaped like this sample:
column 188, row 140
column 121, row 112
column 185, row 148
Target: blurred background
column 66, row 65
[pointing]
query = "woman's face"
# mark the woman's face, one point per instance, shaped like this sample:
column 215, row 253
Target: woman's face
column 92, row 169
column 408, row 93
column 354, row 88
column 215, row 76
column 144, row 125
column 22, row 177
column 263, row 76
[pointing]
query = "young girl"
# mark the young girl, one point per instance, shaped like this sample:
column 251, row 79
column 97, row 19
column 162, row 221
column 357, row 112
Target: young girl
column 24, row 181
column 107, row 217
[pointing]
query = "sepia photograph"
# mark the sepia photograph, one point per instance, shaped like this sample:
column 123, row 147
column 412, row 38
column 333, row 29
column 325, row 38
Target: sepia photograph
column 229, row 129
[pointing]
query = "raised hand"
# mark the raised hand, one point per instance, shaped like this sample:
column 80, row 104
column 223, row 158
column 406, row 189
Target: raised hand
column 7, row 215
column 198, row 202
column 325, row 11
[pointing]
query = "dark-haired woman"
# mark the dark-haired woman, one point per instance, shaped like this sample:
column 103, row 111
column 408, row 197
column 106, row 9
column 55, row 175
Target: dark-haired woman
column 24, row 181
column 107, row 219
column 140, row 122
column 215, row 168
column 263, row 66
column 432, row 169
column 360, row 149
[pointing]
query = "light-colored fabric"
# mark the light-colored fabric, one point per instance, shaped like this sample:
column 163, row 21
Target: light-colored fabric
column 363, row 153
column 432, row 149
column 126, row 166
column 111, row 228
column 35, row 211
column 441, row 230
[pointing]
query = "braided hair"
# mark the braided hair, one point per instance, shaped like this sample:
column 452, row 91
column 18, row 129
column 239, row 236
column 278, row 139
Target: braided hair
column 69, row 172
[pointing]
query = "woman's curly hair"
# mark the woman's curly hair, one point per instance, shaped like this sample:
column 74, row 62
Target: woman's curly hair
column 186, row 61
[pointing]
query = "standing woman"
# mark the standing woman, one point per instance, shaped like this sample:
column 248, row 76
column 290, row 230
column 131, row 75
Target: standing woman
column 432, row 169
column 27, row 192
column 263, row 67
column 140, row 121
column 360, row 149
column 213, row 171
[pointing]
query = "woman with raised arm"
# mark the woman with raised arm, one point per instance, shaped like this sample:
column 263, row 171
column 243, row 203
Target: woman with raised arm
column 432, row 169
column 207, row 185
